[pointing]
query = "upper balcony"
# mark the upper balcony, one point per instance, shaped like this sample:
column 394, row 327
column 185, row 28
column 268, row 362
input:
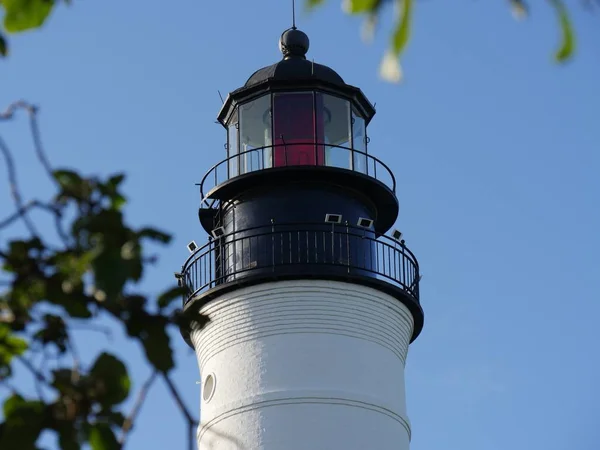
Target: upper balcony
column 309, row 134
column 294, row 154
column 297, row 194
column 291, row 251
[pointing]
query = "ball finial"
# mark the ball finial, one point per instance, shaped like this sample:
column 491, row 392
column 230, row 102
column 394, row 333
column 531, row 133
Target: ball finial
column 294, row 43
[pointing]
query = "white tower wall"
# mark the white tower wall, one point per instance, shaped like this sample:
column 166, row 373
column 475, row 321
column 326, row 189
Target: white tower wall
column 304, row 365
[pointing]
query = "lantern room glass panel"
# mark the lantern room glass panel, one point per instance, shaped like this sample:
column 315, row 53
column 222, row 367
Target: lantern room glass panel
column 359, row 142
column 333, row 114
column 295, row 133
column 255, row 134
column 232, row 145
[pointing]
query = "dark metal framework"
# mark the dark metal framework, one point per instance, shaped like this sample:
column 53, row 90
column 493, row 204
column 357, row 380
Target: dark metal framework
column 352, row 109
column 270, row 86
column 219, row 173
column 255, row 251
column 289, row 250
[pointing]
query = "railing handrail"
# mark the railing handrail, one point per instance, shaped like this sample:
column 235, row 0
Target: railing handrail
column 302, row 226
column 290, row 144
column 395, row 255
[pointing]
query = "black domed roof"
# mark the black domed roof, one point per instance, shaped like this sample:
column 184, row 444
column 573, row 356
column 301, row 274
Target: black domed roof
column 295, row 69
column 294, row 44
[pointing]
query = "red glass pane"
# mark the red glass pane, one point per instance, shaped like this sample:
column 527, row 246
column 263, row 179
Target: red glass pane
column 294, row 131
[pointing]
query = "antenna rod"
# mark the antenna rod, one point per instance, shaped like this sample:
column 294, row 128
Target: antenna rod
column 293, row 14
column 220, row 96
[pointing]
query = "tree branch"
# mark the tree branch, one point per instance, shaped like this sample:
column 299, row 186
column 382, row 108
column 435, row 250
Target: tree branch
column 14, row 188
column 74, row 354
column 8, row 386
column 179, row 401
column 128, row 424
column 37, row 142
column 13, row 107
column 32, row 111
column 47, row 207
column 39, row 377
column 97, row 328
column 191, row 422
column 191, row 439
column 14, row 216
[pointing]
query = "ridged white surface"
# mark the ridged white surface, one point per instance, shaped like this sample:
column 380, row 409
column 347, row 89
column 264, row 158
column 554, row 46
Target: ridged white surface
column 304, row 365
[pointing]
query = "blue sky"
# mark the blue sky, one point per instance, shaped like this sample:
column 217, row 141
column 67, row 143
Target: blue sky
column 494, row 147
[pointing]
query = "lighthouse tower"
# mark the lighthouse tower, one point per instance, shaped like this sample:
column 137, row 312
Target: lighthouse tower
column 312, row 302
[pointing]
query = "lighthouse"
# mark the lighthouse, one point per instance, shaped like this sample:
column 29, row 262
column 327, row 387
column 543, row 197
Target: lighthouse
column 311, row 294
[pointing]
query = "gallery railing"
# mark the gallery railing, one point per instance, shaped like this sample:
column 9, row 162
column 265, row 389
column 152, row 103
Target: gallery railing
column 285, row 155
column 300, row 249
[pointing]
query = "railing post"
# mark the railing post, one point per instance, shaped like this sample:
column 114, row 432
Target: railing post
column 199, row 275
column 404, row 278
column 352, row 120
column 285, row 152
column 333, row 243
column 273, row 245
column 348, row 245
column 211, row 255
column 227, row 154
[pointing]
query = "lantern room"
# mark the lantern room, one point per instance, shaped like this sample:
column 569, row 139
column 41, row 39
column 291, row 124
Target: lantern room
column 297, row 193
column 296, row 113
column 296, row 128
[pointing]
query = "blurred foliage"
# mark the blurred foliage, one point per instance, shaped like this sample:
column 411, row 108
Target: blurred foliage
column 390, row 68
column 94, row 268
column 88, row 269
column 22, row 15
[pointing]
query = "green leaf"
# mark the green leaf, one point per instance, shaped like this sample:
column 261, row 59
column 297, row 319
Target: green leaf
column 11, row 404
column 360, row 6
column 73, row 264
column 55, row 332
column 390, row 69
column 313, row 3
column 74, row 302
column 3, row 45
column 519, row 9
column 10, row 346
column 68, row 177
column 112, row 380
column 23, row 423
column 110, row 190
column 116, row 418
column 63, row 381
column 158, row 346
column 115, row 180
column 119, row 259
column 117, row 201
column 67, row 438
column 151, row 331
column 155, row 235
column 112, row 272
column 102, row 437
column 402, row 33
column 167, row 297
column 74, row 186
column 567, row 45
column 23, row 15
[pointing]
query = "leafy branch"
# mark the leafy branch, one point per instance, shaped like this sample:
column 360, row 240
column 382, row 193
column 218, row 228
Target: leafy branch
column 390, row 68
column 54, row 286
column 22, row 15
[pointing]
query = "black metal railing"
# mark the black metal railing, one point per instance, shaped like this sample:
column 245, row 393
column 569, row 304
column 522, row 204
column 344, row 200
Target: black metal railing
column 281, row 155
column 302, row 250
